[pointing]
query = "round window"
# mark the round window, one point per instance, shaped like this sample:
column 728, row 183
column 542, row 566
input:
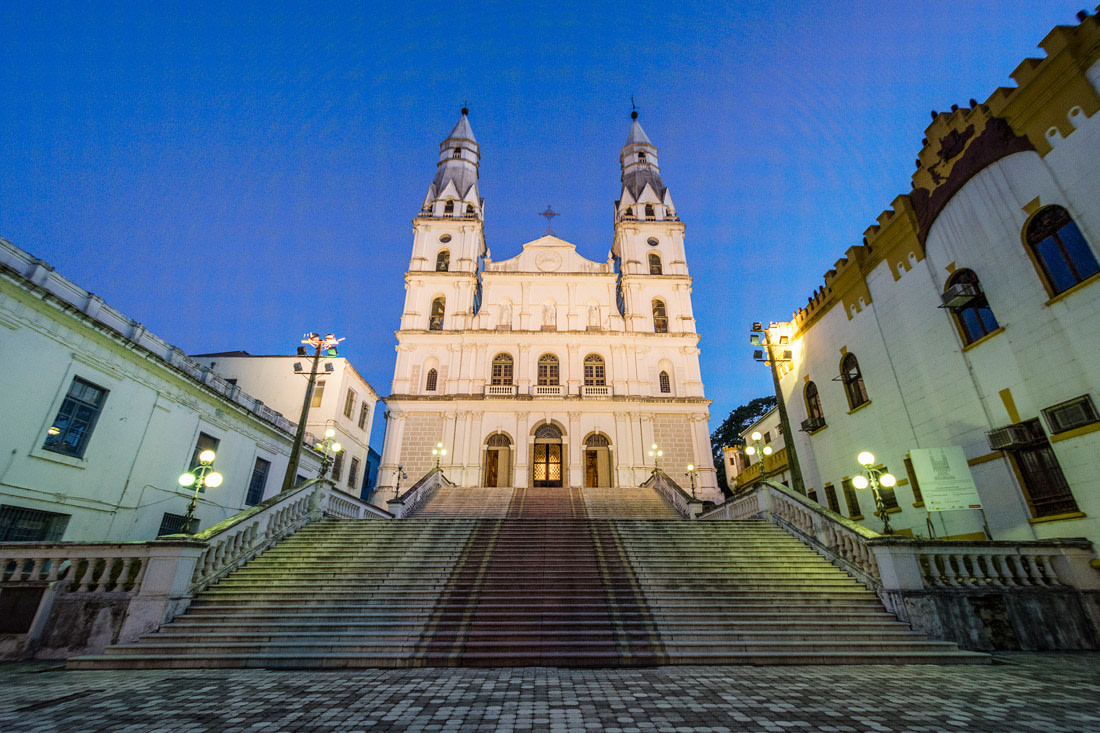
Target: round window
column 444, row 238
column 653, row 241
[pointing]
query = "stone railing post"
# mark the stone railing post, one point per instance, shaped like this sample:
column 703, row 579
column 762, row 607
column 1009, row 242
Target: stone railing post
column 767, row 502
column 898, row 567
column 163, row 592
column 315, row 510
column 396, row 507
column 1073, row 568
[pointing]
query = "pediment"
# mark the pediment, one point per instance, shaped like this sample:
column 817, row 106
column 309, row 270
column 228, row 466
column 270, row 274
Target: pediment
column 548, row 254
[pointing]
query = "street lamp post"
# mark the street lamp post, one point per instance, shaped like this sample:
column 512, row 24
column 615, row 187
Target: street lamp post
column 875, row 478
column 755, row 448
column 202, row 475
column 691, row 476
column 655, row 454
column 329, row 448
column 399, row 472
column 772, row 358
column 327, row 344
column 438, row 451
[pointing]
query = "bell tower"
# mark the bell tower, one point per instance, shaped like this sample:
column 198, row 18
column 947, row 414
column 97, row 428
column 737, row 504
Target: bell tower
column 649, row 237
column 443, row 284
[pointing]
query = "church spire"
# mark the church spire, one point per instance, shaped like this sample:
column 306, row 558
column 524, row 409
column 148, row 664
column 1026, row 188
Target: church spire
column 644, row 195
column 454, row 192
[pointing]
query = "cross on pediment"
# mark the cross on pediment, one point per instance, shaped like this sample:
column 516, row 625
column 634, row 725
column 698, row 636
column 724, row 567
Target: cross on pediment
column 549, row 214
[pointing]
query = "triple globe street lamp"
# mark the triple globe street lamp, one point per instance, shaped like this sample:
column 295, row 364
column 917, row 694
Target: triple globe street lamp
column 876, row 479
column 764, row 451
column 201, row 476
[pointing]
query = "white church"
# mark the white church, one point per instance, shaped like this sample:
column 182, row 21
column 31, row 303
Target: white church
column 547, row 369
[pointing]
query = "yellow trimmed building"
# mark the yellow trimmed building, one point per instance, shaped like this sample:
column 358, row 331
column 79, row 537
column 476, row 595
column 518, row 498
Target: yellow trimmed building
column 970, row 316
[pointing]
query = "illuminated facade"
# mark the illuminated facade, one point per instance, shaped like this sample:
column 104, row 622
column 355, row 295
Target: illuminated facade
column 970, row 315
column 546, row 368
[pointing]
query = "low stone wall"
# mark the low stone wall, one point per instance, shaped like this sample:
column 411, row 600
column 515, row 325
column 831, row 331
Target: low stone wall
column 1047, row 619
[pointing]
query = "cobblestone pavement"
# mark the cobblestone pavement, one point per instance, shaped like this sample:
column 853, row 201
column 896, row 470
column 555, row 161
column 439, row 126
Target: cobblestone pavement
column 1019, row 692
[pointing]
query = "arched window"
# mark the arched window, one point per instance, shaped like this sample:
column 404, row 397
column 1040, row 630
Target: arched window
column 443, row 261
column 594, row 373
column 449, row 207
column 665, row 383
column 641, row 156
column 649, row 212
column 548, row 370
column 432, row 380
column 660, row 317
column 548, row 431
column 597, row 440
column 456, row 153
column 969, row 306
column 502, row 370
column 469, row 209
column 435, row 320
column 813, row 403
column 654, row 263
column 629, row 213
column 853, row 381
column 1057, row 245
column 498, row 440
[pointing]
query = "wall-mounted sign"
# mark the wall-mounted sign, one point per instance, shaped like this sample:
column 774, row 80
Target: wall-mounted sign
column 944, row 479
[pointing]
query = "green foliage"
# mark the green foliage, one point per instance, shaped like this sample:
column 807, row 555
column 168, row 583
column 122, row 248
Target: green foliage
column 729, row 432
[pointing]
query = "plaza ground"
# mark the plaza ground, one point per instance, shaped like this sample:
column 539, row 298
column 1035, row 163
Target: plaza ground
column 1019, row 692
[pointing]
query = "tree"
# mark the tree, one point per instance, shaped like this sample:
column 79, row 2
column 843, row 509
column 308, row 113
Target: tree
column 729, row 433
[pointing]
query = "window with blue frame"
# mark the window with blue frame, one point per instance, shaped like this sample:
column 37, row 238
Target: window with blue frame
column 75, row 421
column 1063, row 255
column 258, row 482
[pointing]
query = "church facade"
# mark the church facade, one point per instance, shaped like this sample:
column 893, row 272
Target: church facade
column 547, row 369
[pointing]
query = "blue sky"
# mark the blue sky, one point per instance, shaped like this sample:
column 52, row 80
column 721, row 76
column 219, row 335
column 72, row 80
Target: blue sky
column 233, row 175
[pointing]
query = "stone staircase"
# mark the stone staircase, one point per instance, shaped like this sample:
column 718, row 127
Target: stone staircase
column 475, row 502
column 522, row 592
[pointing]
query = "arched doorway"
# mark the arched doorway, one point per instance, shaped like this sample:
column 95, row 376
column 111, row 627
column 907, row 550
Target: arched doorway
column 546, row 468
column 597, row 461
column 498, row 461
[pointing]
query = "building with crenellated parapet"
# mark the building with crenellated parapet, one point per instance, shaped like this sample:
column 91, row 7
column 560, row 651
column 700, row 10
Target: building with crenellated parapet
column 970, row 316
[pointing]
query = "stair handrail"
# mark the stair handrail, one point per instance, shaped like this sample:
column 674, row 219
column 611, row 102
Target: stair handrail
column 155, row 580
column 893, row 563
column 687, row 506
column 406, row 505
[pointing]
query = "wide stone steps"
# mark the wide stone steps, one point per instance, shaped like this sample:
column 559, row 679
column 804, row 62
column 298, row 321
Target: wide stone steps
column 521, row 592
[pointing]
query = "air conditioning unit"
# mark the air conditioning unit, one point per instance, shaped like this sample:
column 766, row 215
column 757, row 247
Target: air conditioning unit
column 960, row 295
column 811, row 424
column 1019, row 435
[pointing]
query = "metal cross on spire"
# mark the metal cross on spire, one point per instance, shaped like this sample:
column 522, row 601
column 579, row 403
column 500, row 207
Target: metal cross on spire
column 549, row 214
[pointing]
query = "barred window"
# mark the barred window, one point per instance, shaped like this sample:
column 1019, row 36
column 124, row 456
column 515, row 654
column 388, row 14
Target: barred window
column 431, row 382
column 665, row 383
column 20, row 524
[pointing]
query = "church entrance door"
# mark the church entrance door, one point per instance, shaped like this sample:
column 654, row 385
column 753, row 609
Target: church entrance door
column 547, row 464
column 597, row 461
column 498, row 461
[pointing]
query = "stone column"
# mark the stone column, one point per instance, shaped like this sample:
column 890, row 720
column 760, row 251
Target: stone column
column 523, row 449
column 391, row 450
column 574, row 452
column 623, row 449
column 522, row 377
column 472, row 457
